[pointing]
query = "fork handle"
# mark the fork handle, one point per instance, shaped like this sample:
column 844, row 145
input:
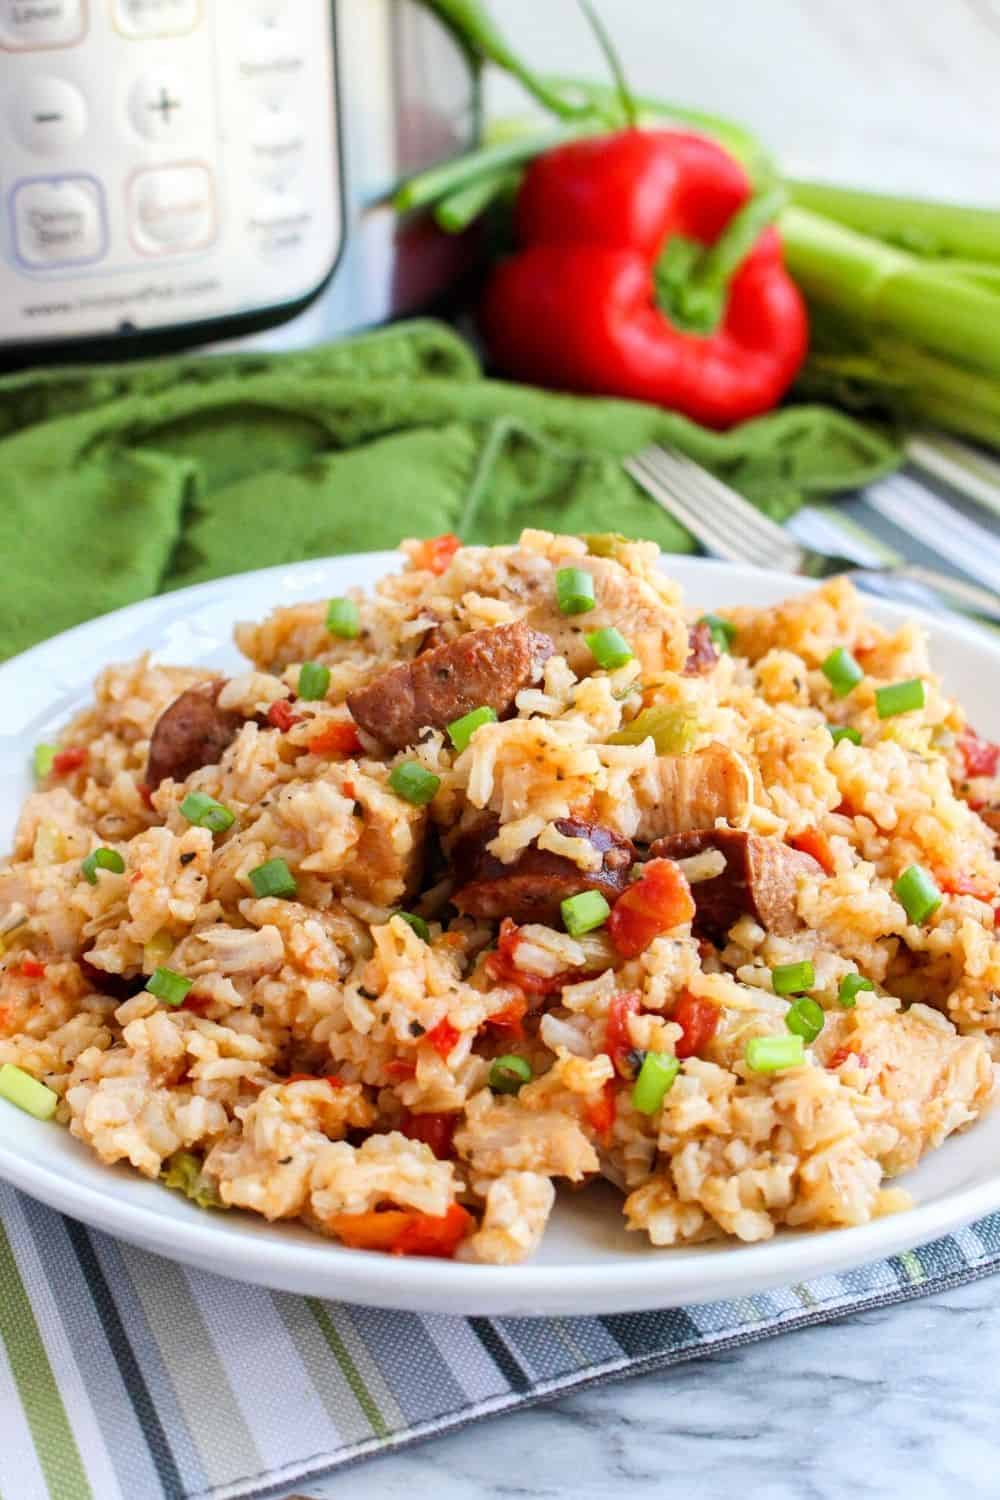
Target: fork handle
column 969, row 596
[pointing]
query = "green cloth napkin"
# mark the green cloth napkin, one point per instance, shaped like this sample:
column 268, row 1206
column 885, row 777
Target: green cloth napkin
column 121, row 482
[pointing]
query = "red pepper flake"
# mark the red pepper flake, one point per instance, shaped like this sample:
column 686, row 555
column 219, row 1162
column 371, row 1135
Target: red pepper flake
column 435, row 1130
column 980, row 757
column 67, row 761
column 600, row 1111
column 811, row 841
column 698, row 1020
column 443, row 1037
column 336, row 739
column 659, row 900
column 436, row 552
column 280, row 715
column 32, row 969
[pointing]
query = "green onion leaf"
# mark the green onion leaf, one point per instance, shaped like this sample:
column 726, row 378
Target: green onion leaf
column 655, row 1080
column 42, row 760
column 343, row 618
column 204, row 812
column 609, row 648
column 418, row 924
column 793, row 979
column 840, row 732
column 842, row 672
column 273, row 878
column 917, row 893
column 769, row 1054
column 414, row 783
column 574, row 591
column 723, row 632
column 460, row 731
column 18, row 1087
column 169, row 986
column 900, row 698
column 584, row 912
column 314, row 679
column 850, row 987
column 102, row 859
column 509, row 1074
column 805, row 1018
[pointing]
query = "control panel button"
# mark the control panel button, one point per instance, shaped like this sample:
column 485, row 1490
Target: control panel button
column 29, row 24
column 159, row 106
column 49, row 114
column 268, row 11
column 58, row 221
column 279, row 224
column 171, row 209
column 151, row 18
column 276, row 146
column 270, row 54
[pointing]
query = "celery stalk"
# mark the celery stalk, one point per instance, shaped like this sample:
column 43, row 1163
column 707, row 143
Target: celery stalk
column 914, row 224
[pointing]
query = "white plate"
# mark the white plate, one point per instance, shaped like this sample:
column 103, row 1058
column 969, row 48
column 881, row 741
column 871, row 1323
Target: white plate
column 588, row 1263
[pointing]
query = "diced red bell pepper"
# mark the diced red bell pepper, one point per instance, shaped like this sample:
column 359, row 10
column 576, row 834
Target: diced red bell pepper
column 67, row 761
column 502, row 968
column 280, row 715
column 436, row 552
column 600, row 1111
column 401, row 1068
column 659, row 900
column 32, row 969
column 811, row 841
column 434, row 1129
column 979, row 756
column 838, row 1058
column 146, row 793
column 966, row 885
column 443, row 1037
column 698, row 1020
column 403, row 1232
column 617, row 1040
column 510, row 1020
column 336, row 739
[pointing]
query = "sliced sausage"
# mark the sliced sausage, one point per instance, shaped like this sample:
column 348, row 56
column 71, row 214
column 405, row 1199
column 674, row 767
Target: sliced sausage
column 485, row 668
column 991, row 816
column 702, row 655
column 531, row 887
column 761, row 878
column 192, row 732
column 679, row 793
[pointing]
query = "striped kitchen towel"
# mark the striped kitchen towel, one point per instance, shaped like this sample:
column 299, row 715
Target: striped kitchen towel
column 124, row 1376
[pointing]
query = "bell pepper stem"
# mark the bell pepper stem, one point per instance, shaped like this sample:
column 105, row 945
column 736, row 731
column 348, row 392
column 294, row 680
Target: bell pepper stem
column 692, row 283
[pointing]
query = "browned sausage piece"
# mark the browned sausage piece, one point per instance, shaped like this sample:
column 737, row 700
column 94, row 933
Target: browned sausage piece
column 531, row 887
column 991, row 816
column 485, row 668
column 192, row 731
column 702, row 655
column 761, row 878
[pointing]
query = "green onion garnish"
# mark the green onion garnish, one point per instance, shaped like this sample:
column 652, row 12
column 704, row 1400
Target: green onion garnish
column 723, row 632
column 917, row 893
column 655, row 1080
column 169, row 986
column 273, row 878
column 418, row 924
column 414, row 782
column 509, row 1074
column 584, row 912
column 850, row 985
column 102, row 859
column 42, row 759
column 769, row 1054
column 609, row 648
column 900, row 698
column 574, row 591
column 18, row 1087
column 842, row 672
column 314, row 679
column 840, row 732
column 343, row 618
column 805, row 1018
column 204, row 812
column 793, row 979
column 460, row 731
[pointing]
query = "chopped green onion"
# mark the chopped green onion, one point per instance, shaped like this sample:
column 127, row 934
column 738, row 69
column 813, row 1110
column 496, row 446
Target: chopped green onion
column 414, row 782
column 509, row 1074
column 574, row 591
column 460, row 731
column 655, row 1080
column 769, row 1054
column 609, row 648
column 343, row 618
column 605, row 543
column 102, row 859
column 850, row 985
column 204, row 812
column 805, row 1018
column 842, row 672
column 273, row 878
column 723, row 632
column 918, row 894
column 673, row 728
column 42, row 760
column 18, row 1087
column 584, row 912
column 314, row 679
column 169, row 986
column 900, row 698
column 840, row 732
column 418, row 924
column 793, row 979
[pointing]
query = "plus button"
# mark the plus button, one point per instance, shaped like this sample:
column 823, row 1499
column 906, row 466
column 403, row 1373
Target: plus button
column 164, row 106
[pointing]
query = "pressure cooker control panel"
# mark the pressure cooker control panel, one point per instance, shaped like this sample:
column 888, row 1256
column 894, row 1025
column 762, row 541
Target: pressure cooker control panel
column 163, row 162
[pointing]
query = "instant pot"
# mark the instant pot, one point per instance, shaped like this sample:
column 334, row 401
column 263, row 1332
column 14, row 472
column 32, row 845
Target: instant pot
column 175, row 172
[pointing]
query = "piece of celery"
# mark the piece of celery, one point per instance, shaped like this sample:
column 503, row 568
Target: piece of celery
column 927, row 228
column 673, row 728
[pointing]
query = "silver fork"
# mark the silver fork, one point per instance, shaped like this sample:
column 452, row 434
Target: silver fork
column 728, row 526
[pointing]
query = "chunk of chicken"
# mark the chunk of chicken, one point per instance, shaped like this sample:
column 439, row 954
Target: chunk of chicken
column 680, row 793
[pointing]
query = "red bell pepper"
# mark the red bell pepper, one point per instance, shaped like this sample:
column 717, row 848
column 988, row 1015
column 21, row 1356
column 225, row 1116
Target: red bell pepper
column 648, row 270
